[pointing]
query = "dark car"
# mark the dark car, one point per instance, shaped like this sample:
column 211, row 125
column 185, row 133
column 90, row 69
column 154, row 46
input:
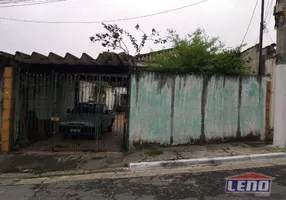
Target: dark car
column 87, row 119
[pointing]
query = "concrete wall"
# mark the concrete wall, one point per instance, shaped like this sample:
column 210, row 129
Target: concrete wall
column 180, row 109
column 251, row 56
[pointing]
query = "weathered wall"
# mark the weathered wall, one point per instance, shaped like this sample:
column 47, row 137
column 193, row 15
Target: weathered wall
column 179, row 109
column 251, row 56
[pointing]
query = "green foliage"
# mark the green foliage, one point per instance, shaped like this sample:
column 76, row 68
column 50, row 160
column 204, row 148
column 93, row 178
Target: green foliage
column 198, row 53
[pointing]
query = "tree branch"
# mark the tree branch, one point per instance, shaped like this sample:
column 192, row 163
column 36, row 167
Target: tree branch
column 114, row 38
column 127, row 50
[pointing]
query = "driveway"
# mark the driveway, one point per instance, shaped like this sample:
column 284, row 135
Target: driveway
column 110, row 141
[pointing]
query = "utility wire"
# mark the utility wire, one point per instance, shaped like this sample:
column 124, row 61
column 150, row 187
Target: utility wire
column 267, row 19
column 268, row 6
column 30, row 4
column 103, row 21
column 253, row 12
column 269, row 10
column 13, row 1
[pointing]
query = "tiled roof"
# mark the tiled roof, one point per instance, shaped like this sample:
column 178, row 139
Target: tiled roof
column 104, row 59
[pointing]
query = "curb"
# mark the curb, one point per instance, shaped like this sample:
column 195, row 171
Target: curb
column 202, row 161
column 150, row 165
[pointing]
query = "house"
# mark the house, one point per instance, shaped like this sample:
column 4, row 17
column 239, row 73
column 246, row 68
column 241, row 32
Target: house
column 252, row 58
column 167, row 109
column 39, row 91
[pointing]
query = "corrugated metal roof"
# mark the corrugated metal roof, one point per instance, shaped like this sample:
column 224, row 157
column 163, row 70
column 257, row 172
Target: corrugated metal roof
column 104, row 59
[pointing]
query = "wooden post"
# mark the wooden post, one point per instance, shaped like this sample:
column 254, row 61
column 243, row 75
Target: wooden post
column 7, row 109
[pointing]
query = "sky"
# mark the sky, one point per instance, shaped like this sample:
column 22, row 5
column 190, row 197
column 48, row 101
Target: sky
column 227, row 19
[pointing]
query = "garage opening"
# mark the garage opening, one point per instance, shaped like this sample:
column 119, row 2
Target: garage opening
column 69, row 112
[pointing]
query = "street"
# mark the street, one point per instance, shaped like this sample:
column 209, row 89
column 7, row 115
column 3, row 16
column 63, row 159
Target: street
column 205, row 185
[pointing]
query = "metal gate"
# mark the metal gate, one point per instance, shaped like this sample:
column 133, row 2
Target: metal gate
column 69, row 112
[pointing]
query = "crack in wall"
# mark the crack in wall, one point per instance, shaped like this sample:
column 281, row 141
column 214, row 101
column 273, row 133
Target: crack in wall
column 238, row 132
column 173, row 84
column 203, row 108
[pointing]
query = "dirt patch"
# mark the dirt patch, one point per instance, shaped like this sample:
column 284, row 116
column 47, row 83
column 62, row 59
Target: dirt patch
column 154, row 152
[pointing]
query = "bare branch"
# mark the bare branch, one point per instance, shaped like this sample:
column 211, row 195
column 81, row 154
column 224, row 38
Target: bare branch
column 114, row 38
column 127, row 50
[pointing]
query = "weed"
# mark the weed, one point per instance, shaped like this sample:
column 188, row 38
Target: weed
column 38, row 171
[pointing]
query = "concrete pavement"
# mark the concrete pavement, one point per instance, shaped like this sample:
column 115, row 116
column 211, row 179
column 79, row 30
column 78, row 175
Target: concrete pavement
column 31, row 164
column 204, row 182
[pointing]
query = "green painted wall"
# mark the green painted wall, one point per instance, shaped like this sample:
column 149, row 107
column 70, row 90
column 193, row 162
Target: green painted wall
column 221, row 111
column 150, row 108
column 173, row 109
column 253, row 105
column 187, row 109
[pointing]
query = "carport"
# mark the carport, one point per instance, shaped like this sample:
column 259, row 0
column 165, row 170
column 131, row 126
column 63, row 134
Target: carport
column 38, row 91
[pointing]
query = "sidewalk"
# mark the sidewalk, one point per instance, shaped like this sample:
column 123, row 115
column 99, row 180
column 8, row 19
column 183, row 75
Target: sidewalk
column 52, row 164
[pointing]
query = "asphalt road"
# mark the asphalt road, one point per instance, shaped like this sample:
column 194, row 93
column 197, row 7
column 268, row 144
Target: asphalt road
column 205, row 185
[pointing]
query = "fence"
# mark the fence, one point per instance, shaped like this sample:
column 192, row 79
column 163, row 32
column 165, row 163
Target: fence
column 61, row 111
column 173, row 109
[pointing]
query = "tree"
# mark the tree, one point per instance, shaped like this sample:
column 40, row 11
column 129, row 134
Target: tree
column 116, row 38
column 199, row 54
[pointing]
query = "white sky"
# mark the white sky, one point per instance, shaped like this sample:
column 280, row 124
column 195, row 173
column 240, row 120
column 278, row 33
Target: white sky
column 227, row 19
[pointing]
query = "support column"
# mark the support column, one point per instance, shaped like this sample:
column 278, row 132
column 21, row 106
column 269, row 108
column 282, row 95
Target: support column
column 7, row 109
column 279, row 137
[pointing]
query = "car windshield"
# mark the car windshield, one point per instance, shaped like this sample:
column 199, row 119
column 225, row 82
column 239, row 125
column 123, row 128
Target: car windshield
column 88, row 108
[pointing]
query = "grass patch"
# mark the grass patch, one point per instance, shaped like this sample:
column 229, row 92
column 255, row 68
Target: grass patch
column 38, row 171
column 154, row 152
